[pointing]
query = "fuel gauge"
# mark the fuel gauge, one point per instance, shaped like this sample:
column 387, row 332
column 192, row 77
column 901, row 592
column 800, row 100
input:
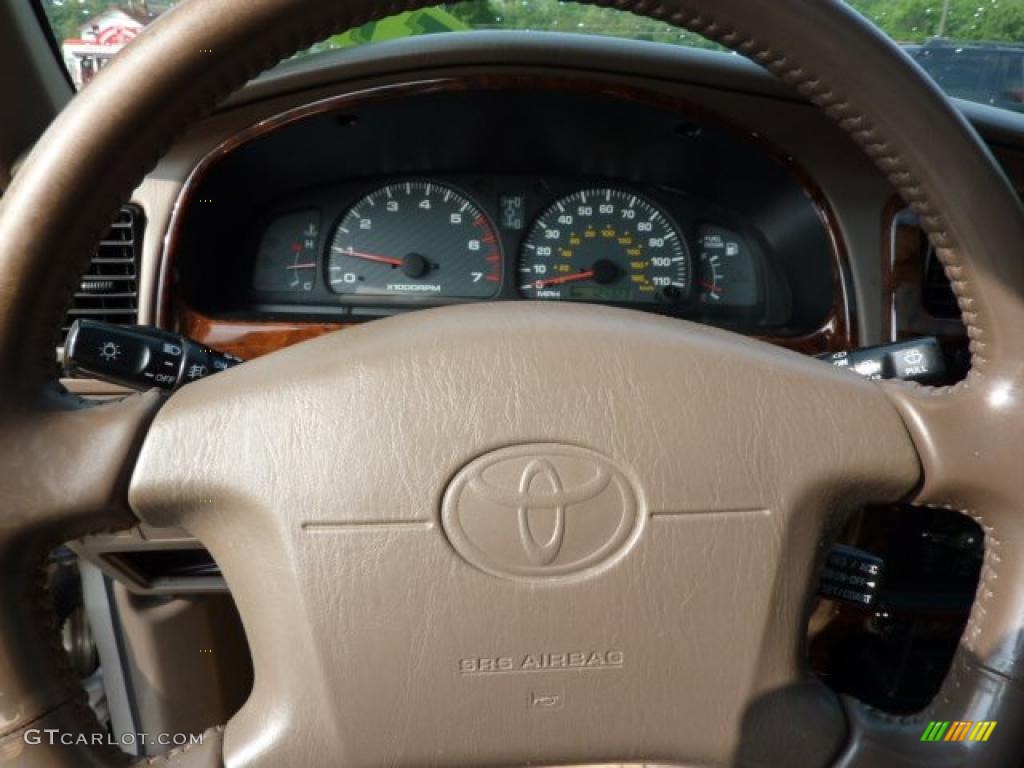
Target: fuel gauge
column 726, row 274
column 287, row 256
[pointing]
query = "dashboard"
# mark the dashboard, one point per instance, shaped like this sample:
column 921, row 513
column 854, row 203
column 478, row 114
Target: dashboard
column 428, row 240
column 510, row 188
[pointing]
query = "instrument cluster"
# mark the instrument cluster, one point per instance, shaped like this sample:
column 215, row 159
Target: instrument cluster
column 401, row 243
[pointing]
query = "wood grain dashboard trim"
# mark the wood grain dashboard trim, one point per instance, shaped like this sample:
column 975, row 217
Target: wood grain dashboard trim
column 253, row 338
column 250, row 338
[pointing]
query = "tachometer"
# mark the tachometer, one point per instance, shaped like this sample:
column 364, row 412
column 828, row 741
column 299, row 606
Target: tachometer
column 605, row 245
column 415, row 238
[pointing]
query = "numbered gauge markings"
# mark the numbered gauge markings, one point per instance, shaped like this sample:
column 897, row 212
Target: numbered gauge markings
column 605, row 245
column 415, row 238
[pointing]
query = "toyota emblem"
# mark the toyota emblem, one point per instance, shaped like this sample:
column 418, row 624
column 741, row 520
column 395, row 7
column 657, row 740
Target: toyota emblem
column 542, row 510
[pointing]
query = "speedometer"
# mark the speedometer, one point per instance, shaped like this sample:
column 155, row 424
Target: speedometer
column 605, row 245
column 415, row 238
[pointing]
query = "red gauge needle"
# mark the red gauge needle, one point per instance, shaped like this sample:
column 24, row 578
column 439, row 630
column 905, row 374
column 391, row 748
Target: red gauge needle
column 709, row 286
column 369, row 256
column 564, row 279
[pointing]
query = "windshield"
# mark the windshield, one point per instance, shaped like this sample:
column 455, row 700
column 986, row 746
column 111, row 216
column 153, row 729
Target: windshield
column 973, row 48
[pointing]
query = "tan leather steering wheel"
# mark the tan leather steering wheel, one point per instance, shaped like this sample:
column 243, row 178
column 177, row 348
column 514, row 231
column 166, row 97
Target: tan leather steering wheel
column 364, row 485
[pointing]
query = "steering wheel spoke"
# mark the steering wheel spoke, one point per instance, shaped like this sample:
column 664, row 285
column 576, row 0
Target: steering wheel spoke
column 65, row 470
column 975, row 471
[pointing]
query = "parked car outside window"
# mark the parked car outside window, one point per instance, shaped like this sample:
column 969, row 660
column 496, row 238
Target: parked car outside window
column 986, row 73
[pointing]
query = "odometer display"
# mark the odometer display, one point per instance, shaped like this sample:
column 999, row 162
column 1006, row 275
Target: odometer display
column 415, row 238
column 605, row 245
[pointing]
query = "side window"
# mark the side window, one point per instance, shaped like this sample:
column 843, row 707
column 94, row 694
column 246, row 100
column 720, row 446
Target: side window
column 965, row 73
column 1012, row 95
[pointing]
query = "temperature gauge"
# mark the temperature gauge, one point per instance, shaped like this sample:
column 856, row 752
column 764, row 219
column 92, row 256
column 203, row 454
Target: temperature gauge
column 287, row 257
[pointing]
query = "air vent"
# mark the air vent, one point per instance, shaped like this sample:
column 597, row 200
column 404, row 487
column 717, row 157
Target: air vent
column 109, row 289
column 936, row 293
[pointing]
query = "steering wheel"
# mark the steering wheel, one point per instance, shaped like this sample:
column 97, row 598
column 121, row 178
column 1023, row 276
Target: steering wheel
column 368, row 494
